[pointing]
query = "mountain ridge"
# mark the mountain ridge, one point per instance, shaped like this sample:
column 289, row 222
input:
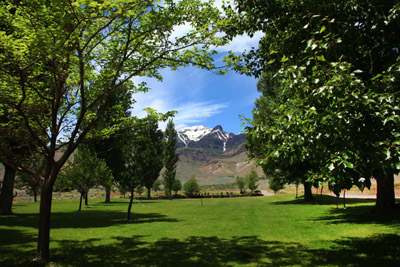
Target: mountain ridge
column 205, row 137
column 212, row 155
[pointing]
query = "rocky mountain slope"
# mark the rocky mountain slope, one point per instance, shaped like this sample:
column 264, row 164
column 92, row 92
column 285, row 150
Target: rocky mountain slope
column 209, row 138
column 212, row 155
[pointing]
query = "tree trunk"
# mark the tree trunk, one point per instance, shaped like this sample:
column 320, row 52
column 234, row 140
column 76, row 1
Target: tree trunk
column 320, row 196
column 80, row 201
column 344, row 198
column 43, row 243
column 108, row 194
column 130, row 204
column 337, row 201
column 87, row 198
column 385, row 198
column 297, row 190
column 7, row 190
column 148, row 192
column 35, row 195
column 307, row 191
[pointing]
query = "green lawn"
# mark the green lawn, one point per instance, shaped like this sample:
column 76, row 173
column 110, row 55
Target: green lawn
column 250, row 231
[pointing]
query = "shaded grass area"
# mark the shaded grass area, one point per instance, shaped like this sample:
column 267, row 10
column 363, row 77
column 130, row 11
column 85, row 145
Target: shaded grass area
column 379, row 250
column 326, row 200
column 268, row 231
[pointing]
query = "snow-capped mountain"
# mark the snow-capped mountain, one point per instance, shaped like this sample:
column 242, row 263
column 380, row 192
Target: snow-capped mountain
column 212, row 155
column 194, row 133
column 205, row 137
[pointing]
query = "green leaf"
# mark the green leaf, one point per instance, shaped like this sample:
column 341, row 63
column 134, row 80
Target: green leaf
column 398, row 165
column 349, row 164
column 376, row 77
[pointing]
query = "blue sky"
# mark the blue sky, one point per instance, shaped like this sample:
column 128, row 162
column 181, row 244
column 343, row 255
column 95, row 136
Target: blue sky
column 202, row 97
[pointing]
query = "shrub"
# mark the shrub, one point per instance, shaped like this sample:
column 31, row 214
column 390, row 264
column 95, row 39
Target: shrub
column 177, row 185
column 252, row 179
column 191, row 187
column 276, row 184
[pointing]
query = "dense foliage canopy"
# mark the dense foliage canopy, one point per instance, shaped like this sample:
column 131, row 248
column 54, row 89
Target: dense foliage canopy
column 61, row 61
column 329, row 106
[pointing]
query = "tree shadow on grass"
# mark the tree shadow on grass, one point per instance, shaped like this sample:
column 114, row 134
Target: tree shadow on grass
column 9, row 240
column 14, row 237
column 362, row 215
column 193, row 251
column 379, row 250
column 325, row 200
column 84, row 219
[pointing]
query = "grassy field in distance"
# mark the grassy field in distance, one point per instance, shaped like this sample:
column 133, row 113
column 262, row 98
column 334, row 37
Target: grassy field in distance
column 248, row 231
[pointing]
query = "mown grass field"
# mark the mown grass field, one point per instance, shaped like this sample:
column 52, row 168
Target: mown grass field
column 249, row 231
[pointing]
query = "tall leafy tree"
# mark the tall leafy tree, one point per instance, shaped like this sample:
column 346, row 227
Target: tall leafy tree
column 267, row 112
column 191, row 187
column 251, row 180
column 7, row 186
column 276, row 184
column 142, row 156
column 84, row 172
column 241, row 183
column 177, row 186
column 109, row 147
column 151, row 154
column 170, row 157
column 27, row 181
column 336, row 67
column 29, row 184
column 63, row 60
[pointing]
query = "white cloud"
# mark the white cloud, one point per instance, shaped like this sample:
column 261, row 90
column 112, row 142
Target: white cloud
column 175, row 93
column 238, row 44
column 195, row 113
column 241, row 43
column 180, row 31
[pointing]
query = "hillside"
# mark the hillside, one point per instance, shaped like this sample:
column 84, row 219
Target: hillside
column 212, row 155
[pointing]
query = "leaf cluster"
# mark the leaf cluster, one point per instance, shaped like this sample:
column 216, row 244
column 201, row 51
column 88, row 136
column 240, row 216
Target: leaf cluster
column 329, row 83
column 61, row 63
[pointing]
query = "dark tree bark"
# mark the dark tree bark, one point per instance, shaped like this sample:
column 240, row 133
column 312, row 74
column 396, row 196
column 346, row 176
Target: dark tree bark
column 130, row 204
column 43, row 243
column 87, row 198
column 108, row 195
column 35, row 194
column 385, row 197
column 80, row 201
column 148, row 192
column 344, row 198
column 307, row 191
column 7, row 190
